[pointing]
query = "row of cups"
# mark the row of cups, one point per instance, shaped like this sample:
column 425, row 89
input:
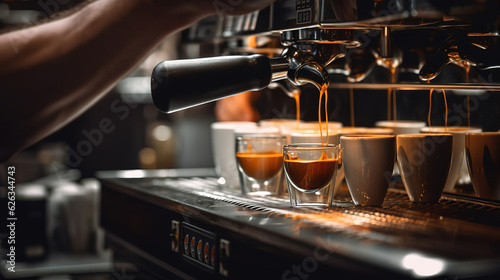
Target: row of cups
column 427, row 162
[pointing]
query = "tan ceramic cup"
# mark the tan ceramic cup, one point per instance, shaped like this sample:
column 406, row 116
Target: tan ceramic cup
column 458, row 159
column 368, row 161
column 357, row 130
column 483, row 160
column 401, row 127
column 424, row 162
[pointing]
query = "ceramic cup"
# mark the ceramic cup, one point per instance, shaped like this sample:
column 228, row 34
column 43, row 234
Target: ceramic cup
column 401, row 127
column 424, row 162
column 483, row 161
column 223, row 143
column 458, row 159
column 368, row 161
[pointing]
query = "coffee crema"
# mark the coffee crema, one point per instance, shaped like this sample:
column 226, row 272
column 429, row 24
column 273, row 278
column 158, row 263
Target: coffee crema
column 260, row 165
column 310, row 174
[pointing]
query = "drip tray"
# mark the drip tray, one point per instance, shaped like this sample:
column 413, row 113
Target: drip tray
column 460, row 235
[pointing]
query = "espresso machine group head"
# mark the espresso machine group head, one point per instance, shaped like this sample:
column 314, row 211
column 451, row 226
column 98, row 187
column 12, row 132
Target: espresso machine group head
column 421, row 36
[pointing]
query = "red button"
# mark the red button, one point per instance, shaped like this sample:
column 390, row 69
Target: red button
column 212, row 255
column 193, row 248
column 206, row 253
column 186, row 244
column 198, row 250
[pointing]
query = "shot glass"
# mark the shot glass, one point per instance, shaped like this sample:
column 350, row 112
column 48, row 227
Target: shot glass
column 310, row 171
column 260, row 163
column 314, row 137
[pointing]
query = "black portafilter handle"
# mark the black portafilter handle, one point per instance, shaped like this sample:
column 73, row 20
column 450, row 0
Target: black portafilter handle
column 181, row 84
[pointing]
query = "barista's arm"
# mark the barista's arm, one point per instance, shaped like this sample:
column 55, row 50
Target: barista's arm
column 52, row 72
column 238, row 107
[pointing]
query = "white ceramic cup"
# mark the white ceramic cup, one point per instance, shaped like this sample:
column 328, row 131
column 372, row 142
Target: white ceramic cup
column 458, row 159
column 402, row 127
column 313, row 136
column 364, row 130
column 285, row 126
column 223, row 149
column 332, row 125
column 280, row 123
column 368, row 161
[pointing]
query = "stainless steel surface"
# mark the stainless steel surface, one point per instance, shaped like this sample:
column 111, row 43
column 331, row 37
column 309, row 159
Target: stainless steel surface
column 347, row 24
column 472, row 88
column 457, row 237
column 306, row 68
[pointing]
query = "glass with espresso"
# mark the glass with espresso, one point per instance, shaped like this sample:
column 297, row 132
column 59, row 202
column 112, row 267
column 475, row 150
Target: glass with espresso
column 310, row 171
column 260, row 163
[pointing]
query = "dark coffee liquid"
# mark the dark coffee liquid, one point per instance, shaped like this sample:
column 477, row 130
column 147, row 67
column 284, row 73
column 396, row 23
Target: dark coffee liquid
column 260, row 166
column 310, row 174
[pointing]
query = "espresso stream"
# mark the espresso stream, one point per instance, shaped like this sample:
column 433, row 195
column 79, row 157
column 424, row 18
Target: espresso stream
column 445, row 108
column 296, row 96
column 351, row 104
column 313, row 174
column 323, row 92
column 391, row 95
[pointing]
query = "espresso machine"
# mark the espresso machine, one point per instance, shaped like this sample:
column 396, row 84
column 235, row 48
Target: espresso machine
column 181, row 224
column 419, row 37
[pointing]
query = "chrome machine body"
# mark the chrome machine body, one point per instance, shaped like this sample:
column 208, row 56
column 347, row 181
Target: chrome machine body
column 415, row 36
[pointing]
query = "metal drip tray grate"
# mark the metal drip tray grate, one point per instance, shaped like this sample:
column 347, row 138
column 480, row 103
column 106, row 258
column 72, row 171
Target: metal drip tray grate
column 461, row 233
column 459, row 227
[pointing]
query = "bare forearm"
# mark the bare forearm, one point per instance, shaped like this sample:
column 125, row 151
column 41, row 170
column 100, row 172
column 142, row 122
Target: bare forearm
column 57, row 70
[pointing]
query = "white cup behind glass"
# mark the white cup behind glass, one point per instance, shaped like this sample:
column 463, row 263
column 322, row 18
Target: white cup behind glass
column 223, row 149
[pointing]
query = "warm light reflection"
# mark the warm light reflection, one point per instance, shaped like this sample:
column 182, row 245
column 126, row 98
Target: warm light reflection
column 422, row 266
column 221, row 181
column 132, row 173
column 162, row 133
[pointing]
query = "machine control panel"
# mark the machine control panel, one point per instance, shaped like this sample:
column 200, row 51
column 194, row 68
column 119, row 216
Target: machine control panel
column 199, row 247
column 303, row 11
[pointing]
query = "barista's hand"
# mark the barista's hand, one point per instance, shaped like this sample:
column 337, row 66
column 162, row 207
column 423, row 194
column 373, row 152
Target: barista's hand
column 237, row 108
